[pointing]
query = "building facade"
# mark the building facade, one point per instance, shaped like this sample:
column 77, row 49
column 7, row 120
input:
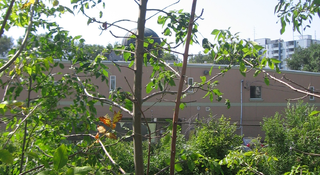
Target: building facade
column 283, row 50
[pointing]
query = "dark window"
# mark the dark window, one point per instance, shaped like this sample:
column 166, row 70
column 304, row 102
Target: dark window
column 255, row 91
column 311, row 89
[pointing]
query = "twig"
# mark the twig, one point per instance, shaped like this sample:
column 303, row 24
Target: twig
column 311, row 154
column 25, row 126
column 18, row 125
column 110, row 158
column 295, row 99
column 163, row 169
column 199, row 17
column 163, row 9
column 285, row 83
column 122, row 66
column 102, row 99
column 41, row 166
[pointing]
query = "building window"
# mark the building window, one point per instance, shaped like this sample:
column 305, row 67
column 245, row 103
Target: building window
column 311, row 89
column 190, row 82
column 255, row 91
column 112, row 82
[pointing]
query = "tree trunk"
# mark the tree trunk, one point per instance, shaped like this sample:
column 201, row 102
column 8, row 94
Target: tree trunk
column 139, row 51
column 181, row 81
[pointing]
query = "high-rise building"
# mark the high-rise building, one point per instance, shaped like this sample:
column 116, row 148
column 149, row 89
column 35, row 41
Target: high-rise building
column 283, row 50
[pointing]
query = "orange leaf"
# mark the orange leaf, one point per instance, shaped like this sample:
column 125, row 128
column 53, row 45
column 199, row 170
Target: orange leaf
column 101, row 129
column 97, row 136
column 106, row 120
column 111, row 136
column 116, row 116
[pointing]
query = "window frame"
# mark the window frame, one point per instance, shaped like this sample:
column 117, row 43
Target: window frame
column 255, row 93
column 311, row 97
column 191, row 89
column 113, row 78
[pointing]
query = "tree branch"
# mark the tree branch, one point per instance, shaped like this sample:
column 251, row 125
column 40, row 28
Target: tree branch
column 18, row 125
column 4, row 23
column 110, row 158
column 15, row 56
column 284, row 83
column 162, row 10
column 107, row 101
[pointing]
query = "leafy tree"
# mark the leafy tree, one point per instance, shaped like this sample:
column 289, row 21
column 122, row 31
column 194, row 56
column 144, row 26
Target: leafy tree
column 293, row 138
column 35, row 68
column 214, row 139
column 200, row 58
column 297, row 12
column 169, row 56
column 6, row 44
column 306, row 59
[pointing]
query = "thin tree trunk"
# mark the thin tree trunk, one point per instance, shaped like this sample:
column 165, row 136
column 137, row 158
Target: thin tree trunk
column 137, row 138
column 182, row 77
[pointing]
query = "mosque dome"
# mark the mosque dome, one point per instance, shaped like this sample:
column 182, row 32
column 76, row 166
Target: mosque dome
column 147, row 33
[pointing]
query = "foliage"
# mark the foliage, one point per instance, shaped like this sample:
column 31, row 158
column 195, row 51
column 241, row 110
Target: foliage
column 200, row 58
column 214, row 139
column 306, row 59
column 293, row 138
column 297, row 12
column 170, row 56
column 6, row 44
column 56, row 139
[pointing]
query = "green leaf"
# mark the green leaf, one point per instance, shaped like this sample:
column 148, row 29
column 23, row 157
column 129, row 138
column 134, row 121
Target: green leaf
column 227, row 102
column 46, row 172
column 82, row 170
column 182, row 105
column 276, row 61
column 266, row 80
column 126, row 55
column 77, row 37
column 314, row 113
column 61, row 65
column 100, row 15
column 191, row 165
column 2, row 106
column 167, row 32
column 60, row 157
column 105, row 73
column 131, row 64
column 178, row 167
column 149, row 87
column 74, row 1
column 6, row 157
column 256, row 73
column 70, row 171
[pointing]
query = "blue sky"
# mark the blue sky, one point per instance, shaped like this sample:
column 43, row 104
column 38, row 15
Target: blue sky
column 252, row 18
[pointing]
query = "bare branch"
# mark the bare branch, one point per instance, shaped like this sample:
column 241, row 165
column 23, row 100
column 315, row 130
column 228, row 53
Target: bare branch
column 163, row 9
column 110, row 158
column 199, row 17
column 107, row 101
column 285, row 83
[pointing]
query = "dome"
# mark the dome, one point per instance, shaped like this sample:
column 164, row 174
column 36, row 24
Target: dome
column 147, row 33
